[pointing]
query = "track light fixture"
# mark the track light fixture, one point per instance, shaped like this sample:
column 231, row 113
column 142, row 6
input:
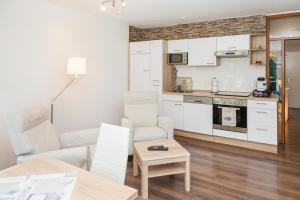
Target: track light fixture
column 114, row 5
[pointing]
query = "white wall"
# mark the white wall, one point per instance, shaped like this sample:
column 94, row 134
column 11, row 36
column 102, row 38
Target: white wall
column 233, row 74
column 292, row 66
column 36, row 39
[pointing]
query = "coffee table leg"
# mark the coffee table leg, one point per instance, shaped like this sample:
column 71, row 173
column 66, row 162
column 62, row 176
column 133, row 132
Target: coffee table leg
column 135, row 165
column 144, row 181
column 187, row 174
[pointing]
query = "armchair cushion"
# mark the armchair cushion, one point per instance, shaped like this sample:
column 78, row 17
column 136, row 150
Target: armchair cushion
column 142, row 114
column 43, row 138
column 149, row 133
column 79, row 138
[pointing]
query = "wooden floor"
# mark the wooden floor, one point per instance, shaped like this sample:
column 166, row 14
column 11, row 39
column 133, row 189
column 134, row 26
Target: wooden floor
column 224, row 172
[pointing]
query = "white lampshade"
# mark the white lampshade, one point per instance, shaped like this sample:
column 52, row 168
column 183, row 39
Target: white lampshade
column 76, row 66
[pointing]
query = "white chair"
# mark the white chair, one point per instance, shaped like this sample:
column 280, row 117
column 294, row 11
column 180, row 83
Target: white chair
column 31, row 134
column 141, row 111
column 111, row 153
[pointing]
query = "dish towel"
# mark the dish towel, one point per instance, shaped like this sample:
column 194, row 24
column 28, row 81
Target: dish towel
column 229, row 116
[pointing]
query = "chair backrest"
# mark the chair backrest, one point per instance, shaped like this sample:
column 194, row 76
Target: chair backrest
column 142, row 108
column 30, row 131
column 111, row 154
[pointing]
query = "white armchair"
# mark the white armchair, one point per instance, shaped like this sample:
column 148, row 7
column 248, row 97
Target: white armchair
column 31, row 133
column 141, row 111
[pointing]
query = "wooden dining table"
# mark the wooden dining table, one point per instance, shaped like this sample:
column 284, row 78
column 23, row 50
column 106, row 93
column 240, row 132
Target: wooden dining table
column 88, row 185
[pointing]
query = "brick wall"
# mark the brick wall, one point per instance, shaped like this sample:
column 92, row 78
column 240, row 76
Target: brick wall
column 232, row 26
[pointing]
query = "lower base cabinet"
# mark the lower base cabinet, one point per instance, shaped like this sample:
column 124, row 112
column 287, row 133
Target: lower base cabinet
column 262, row 122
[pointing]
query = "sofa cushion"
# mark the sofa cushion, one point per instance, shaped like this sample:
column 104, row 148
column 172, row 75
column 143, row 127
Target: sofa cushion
column 142, row 114
column 148, row 133
column 21, row 120
column 43, row 138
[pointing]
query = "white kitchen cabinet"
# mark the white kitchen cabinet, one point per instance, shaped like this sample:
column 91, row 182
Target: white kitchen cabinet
column 140, row 72
column 234, row 42
column 198, row 118
column 146, row 65
column 156, row 65
column 202, row 51
column 173, row 110
column 262, row 122
column 177, row 46
column 140, row 47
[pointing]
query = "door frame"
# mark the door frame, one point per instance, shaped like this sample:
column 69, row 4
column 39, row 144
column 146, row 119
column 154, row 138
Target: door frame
column 282, row 123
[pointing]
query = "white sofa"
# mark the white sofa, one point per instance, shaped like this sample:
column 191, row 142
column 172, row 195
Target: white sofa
column 141, row 110
column 31, row 134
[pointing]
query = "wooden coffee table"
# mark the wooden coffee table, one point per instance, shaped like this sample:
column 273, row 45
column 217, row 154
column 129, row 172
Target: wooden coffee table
column 160, row 163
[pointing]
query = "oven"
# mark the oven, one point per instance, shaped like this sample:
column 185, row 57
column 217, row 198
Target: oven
column 233, row 110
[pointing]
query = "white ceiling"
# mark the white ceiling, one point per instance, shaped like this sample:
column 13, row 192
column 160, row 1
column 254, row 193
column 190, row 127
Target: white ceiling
column 153, row 13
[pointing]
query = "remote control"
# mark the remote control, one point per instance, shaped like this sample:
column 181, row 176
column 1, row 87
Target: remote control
column 158, row 148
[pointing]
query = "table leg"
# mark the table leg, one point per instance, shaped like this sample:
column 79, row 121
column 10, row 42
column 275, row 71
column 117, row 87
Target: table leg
column 135, row 165
column 144, row 180
column 187, row 174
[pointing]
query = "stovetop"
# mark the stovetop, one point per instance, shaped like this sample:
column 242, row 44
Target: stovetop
column 237, row 94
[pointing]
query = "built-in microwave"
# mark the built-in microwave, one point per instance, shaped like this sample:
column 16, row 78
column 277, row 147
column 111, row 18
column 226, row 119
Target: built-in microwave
column 178, row 58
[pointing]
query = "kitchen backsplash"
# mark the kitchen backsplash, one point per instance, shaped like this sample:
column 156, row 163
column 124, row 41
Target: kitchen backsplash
column 233, row 74
column 232, row 26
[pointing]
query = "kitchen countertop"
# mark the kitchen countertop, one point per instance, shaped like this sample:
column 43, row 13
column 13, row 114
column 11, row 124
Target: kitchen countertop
column 203, row 93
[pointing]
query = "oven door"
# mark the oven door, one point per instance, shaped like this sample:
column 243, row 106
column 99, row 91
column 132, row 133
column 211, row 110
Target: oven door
column 178, row 58
column 241, row 119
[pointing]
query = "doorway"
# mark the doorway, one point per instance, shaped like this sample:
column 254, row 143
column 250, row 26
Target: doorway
column 283, row 32
column 292, row 82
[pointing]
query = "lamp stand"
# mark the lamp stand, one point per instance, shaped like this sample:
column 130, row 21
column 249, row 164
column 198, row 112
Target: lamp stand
column 58, row 95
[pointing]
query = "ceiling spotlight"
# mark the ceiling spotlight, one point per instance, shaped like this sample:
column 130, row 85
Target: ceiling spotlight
column 124, row 3
column 183, row 18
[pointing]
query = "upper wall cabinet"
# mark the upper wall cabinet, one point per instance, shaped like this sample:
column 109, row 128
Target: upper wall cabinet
column 234, row 42
column 140, row 47
column 177, row 46
column 201, row 51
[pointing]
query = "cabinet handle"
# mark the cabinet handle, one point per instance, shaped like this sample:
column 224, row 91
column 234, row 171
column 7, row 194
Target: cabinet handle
column 176, row 104
column 198, row 101
column 138, row 51
column 156, row 80
column 155, row 85
column 262, row 129
column 146, row 70
column 209, row 63
column 261, row 112
column 231, row 47
column 176, row 50
column 261, row 104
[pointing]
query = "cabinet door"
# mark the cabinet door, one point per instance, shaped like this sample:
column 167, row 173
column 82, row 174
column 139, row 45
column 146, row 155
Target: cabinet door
column 262, row 134
column 198, row 118
column 202, row 51
column 156, row 65
column 140, row 72
column 174, row 110
column 262, row 125
column 176, row 46
column 140, row 47
column 235, row 42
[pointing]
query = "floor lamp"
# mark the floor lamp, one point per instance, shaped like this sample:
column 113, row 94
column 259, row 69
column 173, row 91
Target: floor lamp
column 75, row 67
